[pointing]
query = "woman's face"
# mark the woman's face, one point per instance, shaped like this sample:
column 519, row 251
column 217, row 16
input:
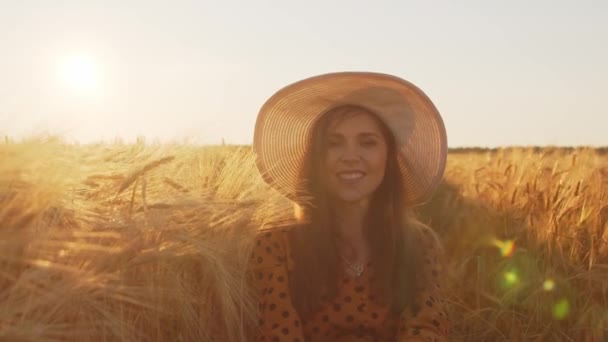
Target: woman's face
column 355, row 157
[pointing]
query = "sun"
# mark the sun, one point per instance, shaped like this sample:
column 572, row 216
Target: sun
column 80, row 73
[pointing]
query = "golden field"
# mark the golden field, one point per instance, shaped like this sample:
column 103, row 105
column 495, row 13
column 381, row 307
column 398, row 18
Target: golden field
column 149, row 242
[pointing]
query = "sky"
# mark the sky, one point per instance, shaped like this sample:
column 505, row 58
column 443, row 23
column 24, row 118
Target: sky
column 502, row 73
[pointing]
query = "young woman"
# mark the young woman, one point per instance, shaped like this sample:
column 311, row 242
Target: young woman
column 355, row 152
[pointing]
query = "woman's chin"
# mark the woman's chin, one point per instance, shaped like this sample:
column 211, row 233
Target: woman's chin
column 352, row 199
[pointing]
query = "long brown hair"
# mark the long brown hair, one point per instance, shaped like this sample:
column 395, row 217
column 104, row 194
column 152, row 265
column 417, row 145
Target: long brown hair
column 389, row 229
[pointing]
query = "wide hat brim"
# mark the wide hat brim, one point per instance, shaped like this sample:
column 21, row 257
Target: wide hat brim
column 286, row 120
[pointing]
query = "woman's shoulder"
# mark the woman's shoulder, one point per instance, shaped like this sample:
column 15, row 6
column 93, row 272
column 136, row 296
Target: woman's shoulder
column 271, row 245
column 431, row 257
column 427, row 238
column 430, row 248
column 276, row 233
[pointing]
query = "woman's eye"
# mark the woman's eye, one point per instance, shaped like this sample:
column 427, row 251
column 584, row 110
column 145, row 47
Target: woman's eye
column 369, row 143
column 333, row 143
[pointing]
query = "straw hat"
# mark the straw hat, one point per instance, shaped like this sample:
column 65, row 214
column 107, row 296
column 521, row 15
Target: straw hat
column 284, row 126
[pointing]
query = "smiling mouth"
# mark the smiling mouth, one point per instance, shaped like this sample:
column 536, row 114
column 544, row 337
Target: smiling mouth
column 350, row 175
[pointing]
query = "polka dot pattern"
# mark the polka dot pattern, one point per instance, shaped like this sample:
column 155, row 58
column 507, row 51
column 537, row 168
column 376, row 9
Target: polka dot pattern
column 355, row 313
column 427, row 320
column 278, row 320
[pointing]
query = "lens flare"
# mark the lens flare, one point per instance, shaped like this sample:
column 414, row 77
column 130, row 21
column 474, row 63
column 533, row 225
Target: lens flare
column 506, row 247
column 510, row 278
column 549, row 285
column 561, row 309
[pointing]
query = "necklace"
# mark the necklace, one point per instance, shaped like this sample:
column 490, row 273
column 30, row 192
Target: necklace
column 357, row 269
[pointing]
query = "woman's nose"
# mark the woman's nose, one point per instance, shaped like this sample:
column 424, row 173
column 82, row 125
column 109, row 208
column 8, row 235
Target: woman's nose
column 350, row 154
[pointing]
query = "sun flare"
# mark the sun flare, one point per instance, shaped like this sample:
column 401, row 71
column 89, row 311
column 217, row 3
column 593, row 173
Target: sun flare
column 80, row 73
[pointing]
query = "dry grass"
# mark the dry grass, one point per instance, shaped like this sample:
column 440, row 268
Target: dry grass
column 148, row 243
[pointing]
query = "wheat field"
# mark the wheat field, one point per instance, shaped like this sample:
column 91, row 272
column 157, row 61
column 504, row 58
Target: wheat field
column 149, row 242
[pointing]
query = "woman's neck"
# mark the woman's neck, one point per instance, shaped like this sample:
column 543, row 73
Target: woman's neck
column 350, row 219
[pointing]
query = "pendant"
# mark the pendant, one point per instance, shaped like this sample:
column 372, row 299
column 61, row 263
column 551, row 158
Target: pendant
column 358, row 270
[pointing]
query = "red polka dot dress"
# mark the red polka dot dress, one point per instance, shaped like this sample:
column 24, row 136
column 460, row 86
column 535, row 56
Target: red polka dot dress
column 354, row 313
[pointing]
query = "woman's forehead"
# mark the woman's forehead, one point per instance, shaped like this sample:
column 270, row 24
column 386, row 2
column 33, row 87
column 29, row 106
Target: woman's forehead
column 356, row 121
